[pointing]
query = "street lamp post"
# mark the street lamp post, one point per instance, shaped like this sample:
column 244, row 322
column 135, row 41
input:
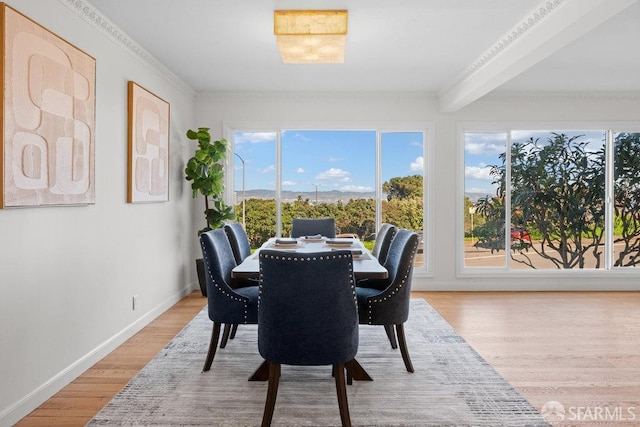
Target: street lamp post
column 472, row 210
column 244, row 212
column 316, row 185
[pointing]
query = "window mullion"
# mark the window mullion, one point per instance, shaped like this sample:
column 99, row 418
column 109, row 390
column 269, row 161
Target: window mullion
column 609, row 198
column 279, row 183
column 507, row 203
column 378, row 179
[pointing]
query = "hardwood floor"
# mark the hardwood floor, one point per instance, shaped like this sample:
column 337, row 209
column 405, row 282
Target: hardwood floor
column 581, row 349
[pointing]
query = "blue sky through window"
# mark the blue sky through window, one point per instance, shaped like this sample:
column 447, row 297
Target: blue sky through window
column 342, row 160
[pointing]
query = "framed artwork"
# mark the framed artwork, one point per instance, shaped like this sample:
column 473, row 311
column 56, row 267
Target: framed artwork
column 148, row 168
column 48, row 117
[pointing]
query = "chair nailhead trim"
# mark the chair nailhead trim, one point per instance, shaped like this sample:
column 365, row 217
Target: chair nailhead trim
column 222, row 290
column 302, row 257
column 370, row 301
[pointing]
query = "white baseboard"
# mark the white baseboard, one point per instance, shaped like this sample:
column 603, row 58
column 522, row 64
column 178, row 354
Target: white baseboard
column 26, row 405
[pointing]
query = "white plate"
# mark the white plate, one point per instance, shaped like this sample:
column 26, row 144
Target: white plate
column 340, row 242
column 285, row 241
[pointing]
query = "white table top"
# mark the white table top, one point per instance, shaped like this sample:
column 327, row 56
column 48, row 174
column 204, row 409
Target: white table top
column 364, row 265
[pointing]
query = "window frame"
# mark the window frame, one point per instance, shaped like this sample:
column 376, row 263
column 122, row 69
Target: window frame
column 229, row 128
column 609, row 128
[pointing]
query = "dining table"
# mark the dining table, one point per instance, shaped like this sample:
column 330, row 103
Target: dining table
column 365, row 266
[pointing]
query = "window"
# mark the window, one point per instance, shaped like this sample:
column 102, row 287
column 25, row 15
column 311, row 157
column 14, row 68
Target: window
column 254, row 186
column 403, row 182
column 330, row 173
column 360, row 177
column 626, row 194
column 537, row 200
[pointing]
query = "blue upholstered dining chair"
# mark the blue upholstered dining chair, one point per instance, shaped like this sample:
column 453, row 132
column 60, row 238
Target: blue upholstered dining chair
column 387, row 302
column 383, row 241
column 313, row 226
column 307, row 315
column 238, row 239
column 241, row 249
column 226, row 305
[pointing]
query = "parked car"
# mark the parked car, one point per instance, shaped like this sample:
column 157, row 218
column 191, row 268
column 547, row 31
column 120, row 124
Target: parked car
column 520, row 239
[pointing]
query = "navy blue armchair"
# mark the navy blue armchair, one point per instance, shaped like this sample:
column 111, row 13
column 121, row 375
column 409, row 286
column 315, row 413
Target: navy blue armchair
column 226, row 305
column 239, row 241
column 307, row 316
column 383, row 241
column 387, row 302
column 313, row 226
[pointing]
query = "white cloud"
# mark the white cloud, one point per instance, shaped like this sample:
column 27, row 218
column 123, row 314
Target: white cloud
column 288, row 183
column 300, row 170
column 302, row 137
column 483, row 148
column 268, row 169
column 255, row 137
column 334, row 173
column 476, row 172
column 418, row 164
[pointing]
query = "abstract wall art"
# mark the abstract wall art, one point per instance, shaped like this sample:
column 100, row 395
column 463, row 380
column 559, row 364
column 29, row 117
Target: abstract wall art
column 48, row 117
column 148, row 167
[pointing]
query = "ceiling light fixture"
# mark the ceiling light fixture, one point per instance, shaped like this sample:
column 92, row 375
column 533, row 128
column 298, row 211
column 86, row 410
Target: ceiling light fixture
column 311, row 36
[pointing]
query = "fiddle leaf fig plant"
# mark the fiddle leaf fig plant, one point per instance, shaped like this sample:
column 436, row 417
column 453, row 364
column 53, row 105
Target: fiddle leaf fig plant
column 205, row 171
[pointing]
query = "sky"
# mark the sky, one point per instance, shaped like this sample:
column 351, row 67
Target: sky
column 481, row 150
column 325, row 160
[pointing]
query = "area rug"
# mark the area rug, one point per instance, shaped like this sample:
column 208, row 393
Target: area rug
column 452, row 385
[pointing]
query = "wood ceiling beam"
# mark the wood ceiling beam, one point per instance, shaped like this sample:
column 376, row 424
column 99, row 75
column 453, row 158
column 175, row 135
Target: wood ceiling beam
column 547, row 29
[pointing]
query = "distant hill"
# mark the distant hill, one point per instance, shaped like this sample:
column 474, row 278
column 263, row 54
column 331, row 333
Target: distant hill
column 474, row 197
column 323, row 196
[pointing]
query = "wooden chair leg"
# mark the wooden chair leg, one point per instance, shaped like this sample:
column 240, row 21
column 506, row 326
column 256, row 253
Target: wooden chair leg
column 234, row 329
column 225, row 335
column 403, row 347
column 213, row 345
column 341, row 390
column 272, row 393
column 391, row 334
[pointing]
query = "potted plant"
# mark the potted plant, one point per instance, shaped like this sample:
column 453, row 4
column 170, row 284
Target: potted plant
column 205, row 171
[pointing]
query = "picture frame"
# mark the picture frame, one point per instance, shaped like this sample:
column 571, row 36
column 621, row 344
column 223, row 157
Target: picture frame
column 48, row 116
column 148, row 151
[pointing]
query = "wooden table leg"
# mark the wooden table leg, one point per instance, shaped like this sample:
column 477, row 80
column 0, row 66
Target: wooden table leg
column 358, row 373
column 262, row 373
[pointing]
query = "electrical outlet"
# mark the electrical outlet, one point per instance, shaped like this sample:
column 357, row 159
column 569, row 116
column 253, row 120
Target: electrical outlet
column 134, row 302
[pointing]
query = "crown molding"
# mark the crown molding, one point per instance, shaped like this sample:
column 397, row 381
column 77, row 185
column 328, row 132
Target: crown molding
column 543, row 31
column 525, row 26
column 90, row 14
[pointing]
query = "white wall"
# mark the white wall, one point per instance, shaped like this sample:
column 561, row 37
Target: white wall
column 68, row 274
column 445, row 196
